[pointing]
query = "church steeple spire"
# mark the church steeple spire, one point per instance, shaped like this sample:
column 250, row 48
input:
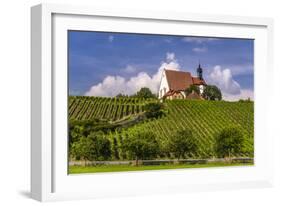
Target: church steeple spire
column 200, row 72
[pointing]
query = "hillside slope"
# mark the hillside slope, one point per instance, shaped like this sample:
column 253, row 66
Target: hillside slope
column 87, row 108
column 204, row 118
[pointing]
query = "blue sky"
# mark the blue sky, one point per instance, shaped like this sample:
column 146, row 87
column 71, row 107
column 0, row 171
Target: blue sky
column 103, row 63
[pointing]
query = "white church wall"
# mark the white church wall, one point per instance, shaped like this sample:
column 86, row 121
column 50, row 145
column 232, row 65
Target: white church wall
column 164, row 87
column 201, row 89
column 183, row 94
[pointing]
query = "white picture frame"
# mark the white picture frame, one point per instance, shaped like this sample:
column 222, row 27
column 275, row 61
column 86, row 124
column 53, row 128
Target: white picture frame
column 49, row 178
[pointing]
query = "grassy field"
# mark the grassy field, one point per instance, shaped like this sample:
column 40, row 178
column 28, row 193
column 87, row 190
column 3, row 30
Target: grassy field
column 124, row 168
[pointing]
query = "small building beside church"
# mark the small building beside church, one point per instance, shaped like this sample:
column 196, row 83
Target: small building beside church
column 174, row 83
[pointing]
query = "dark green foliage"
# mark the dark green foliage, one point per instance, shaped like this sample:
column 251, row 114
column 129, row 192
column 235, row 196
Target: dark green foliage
column 141, row 144
column 212, row 92
column 192, row 88
column 245, row 100
column 101, row 145
column 94, row 147
column 230, row 142
column 182, row 144
column 206, row 119
column 85, row 127
column 121, row 95
column 144, row 93
column 75, row 133
column 153, row 110
column 115, row 149
column 81, row 149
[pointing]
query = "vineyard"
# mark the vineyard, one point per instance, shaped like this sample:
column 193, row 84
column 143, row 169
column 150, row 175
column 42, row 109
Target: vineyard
column 204, row 118
column 87, row 108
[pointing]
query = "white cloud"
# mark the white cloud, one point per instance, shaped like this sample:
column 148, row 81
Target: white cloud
column 198, row 40
column 244, row 94
column 110, row 38
column 242, row 69
column 200, row 49
column 110, row 86
column 224, row 80
column 170, row 56
column 129, row 69
column 113, row 85
column 230, row 89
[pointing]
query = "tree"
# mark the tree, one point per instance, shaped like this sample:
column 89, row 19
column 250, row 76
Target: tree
column 230, row 141
column 248, row 100
column 75, row 133
column 182, row 143
column 141, row 144
column 81, row 149
column 101, row 146
column 115, row 152
column 192, row 88
column 93, row 147
column 120, row 95
column 144, row 93
column 153, row 110
column 212, row 92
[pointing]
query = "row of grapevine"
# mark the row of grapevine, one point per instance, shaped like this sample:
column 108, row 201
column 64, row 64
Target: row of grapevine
column 87, row 108
column 206, row 119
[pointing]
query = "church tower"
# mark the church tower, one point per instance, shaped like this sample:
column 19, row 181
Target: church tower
column 200, row 72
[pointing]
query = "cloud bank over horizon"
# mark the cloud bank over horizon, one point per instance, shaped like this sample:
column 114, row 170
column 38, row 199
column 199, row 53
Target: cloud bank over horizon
column 108, row 63
column 114, row 85
column 231, row 90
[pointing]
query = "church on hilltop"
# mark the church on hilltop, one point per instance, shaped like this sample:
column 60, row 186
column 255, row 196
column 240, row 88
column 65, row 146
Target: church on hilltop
column 174, row 83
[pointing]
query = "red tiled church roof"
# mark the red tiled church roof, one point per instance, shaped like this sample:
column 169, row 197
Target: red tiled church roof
column 179, row 80
column 198, row 81
column 171, row 92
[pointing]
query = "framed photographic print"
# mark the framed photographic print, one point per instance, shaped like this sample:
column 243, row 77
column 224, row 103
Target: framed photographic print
column 135, row 102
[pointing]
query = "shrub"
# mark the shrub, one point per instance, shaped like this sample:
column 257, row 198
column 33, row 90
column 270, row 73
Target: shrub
column 93, row 147
column 192, row 88
column 229, row 142
column 141, row 144
column 153, row 110
column 182, row 143
column 75, row 133
column 212, row 92
column 144, row 93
